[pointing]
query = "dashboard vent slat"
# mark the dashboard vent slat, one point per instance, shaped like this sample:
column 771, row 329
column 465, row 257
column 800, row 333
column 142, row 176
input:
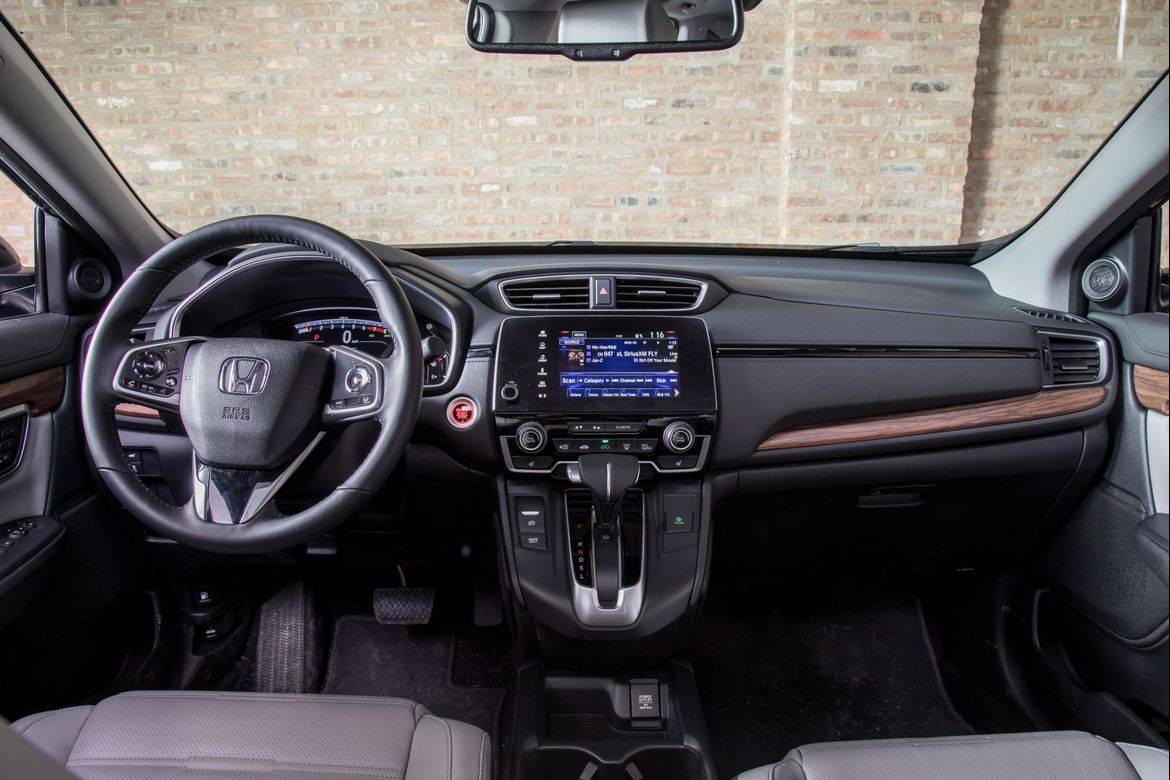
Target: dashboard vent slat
column 556, row 292
column 1046, row 314
column 636, row 292
column 1075, row 360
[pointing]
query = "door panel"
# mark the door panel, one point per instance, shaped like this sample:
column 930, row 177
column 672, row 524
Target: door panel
column 1101, row 606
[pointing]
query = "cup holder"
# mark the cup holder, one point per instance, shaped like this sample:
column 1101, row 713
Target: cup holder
column 650, row 763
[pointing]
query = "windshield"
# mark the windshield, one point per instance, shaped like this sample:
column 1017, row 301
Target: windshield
column 903, row 123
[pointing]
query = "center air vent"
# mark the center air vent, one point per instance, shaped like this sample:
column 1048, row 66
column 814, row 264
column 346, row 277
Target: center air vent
column 656, row 293
column 631, row 292
column 1072, row 360
column 553, row 292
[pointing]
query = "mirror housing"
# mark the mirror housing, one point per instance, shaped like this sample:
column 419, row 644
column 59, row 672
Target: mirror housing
column 599, row 30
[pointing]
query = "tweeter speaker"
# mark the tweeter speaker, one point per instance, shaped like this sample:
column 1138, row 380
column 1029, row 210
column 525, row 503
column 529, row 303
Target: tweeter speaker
column 89, row 280
column 1103, row 280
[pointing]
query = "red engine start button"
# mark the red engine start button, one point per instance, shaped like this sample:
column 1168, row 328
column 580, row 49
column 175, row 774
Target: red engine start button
column 462, row 412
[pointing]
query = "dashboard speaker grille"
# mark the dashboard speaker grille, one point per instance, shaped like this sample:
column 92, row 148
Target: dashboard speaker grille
column 1045, row 314
column 558, row 292
column 658, row 294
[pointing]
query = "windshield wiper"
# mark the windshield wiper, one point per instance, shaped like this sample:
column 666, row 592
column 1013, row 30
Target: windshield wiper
column 569, row 242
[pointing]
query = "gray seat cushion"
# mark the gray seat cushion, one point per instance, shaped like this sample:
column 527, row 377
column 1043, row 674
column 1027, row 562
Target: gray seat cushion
column 1059, row 755
column 161, row 735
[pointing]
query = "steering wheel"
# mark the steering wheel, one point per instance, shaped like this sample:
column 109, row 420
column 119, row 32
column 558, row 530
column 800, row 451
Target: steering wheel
column 253, row 408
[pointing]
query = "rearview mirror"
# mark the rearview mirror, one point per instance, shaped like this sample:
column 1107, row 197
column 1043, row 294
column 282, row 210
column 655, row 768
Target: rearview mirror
column 603, row 29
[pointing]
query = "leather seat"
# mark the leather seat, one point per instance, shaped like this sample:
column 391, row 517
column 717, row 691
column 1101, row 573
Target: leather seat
column 1059, row 755
column 167, row 734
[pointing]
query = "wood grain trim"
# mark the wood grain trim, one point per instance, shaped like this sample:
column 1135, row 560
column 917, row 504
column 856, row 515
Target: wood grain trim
column 42, row 391
column 1048, row 403
column 136, row 410
column 1153, row 388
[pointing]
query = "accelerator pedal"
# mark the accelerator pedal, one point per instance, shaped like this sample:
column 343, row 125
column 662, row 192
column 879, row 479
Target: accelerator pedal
column 489, row 607
column 404, row 606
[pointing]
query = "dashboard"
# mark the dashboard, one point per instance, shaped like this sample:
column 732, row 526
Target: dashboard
column 780, row 372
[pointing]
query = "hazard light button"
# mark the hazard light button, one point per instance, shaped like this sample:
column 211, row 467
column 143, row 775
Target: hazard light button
column 602, row 291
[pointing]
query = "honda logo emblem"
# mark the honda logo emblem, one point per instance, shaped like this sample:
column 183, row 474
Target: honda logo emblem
column 243, row 375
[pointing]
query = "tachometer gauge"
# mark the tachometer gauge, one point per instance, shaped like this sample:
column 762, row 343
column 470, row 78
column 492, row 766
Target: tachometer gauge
column 369, row 336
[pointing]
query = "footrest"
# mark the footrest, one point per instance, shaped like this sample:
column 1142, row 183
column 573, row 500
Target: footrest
column 404, row 606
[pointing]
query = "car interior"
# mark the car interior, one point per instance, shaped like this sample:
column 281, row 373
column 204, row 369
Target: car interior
column 599, row 390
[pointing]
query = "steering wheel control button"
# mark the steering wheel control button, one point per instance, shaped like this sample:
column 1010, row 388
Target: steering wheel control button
column 148, row 365
column 462, row 412
column 678, row 437
column 531, row 437
column 357, row 379
column 510, row 392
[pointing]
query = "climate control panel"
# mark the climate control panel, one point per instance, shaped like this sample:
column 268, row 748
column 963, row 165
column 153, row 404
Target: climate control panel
column 551, row 445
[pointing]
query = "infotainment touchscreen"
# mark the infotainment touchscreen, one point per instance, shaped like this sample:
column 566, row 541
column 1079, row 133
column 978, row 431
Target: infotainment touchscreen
column 604, row 363
column 641, row 363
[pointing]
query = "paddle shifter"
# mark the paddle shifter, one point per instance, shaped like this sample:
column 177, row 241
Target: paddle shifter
column 608, row 477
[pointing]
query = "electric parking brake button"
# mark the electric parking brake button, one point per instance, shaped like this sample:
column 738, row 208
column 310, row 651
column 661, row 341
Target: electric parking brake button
column 530, row 514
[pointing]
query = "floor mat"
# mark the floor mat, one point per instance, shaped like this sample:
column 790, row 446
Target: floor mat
column 368, row 658
column 778, row 669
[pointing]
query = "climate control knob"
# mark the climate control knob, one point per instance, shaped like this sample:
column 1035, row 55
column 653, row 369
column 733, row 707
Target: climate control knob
column 678, row 437
column 531, row 437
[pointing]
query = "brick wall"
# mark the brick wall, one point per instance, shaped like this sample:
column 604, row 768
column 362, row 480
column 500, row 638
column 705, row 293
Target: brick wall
column 924, row 121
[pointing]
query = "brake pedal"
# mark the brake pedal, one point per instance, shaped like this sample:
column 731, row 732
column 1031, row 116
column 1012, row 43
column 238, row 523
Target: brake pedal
column 404, row 606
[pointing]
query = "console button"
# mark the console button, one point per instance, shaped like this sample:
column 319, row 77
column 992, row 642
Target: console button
column 602, row 291
column 530, row 514
column 533, row 542
column 647, row 445
column 676, row 462
column 678, row 513
column 563, row 445
column 588, row 427
column 626, row 445
column 584, row 445
column 532, row 462
column 625, row 427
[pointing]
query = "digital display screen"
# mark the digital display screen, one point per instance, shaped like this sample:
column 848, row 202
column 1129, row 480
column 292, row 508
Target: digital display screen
column 605, row 364
column 618, row 365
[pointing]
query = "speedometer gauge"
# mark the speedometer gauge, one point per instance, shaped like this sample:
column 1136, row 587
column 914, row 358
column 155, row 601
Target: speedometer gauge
column 369, row 336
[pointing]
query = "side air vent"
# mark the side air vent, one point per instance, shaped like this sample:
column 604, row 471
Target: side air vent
column 1044, row 314
column 553, row 292
column 1072, row 360
column 656, row 293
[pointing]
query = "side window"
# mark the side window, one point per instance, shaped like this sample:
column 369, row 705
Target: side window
column 17, row 251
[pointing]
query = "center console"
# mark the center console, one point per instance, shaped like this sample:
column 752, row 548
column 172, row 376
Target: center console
column 605, row 426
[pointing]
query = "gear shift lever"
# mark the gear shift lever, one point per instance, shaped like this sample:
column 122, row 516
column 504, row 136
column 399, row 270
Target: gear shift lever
column 608, row 477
